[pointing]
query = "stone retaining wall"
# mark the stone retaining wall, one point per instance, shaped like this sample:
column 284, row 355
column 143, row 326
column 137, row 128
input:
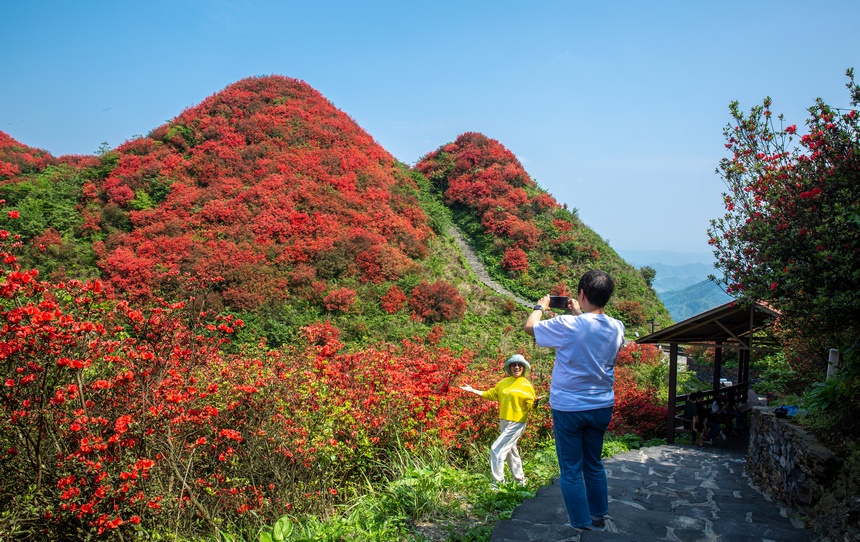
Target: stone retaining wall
column 787, row 462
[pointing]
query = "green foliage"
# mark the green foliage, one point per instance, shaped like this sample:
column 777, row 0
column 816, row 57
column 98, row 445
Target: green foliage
column 828, row 414
column 108, row 160
column 438, row 214
column 141, row 201
column 687, row 382
column 775, row 374
column 159, row 188
column 49, row 222
column 789, row 237
column 824, row 396
column 44, row 200
column 424, row 490
column 839, row 393
column 648, row 273
column 20, row 520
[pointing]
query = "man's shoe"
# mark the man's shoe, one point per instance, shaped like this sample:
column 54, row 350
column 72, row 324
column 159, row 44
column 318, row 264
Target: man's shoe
column 596, row 525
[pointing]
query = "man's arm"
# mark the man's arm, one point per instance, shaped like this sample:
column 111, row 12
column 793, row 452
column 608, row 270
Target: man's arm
column 536, row 315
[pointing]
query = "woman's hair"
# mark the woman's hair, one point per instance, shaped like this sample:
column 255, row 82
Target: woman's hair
column 597, row 286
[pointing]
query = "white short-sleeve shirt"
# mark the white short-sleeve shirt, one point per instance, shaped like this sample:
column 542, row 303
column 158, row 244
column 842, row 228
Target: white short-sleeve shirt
column 586, row 347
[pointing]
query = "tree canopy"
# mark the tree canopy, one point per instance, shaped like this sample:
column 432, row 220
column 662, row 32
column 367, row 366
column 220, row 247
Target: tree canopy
column 791, row 232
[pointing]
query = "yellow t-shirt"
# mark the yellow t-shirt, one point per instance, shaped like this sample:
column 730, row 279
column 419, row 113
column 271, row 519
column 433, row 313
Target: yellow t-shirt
column 516, row 397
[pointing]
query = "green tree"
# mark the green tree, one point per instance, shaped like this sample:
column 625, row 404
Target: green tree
column 648, row 273
column 791, row 232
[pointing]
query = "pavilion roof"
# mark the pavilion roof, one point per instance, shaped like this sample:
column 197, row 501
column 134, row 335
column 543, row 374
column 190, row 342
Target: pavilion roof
column 731, row 324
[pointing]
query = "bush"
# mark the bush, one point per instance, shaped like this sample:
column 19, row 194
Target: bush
column 436, row 302
column 775, row 375
column 515, row 260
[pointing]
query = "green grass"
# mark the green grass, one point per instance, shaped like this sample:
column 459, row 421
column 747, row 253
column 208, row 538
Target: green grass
column 428, row 499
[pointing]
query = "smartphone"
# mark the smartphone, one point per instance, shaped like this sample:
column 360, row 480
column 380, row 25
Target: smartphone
column 558, row 301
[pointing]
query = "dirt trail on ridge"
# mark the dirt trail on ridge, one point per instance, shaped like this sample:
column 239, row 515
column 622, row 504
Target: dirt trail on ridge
column 479, row 269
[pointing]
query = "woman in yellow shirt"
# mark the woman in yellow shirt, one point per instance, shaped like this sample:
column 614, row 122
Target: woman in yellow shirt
column 516, row 397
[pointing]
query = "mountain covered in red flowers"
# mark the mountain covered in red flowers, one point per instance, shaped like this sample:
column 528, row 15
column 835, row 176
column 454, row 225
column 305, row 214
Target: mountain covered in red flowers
column 265, row 195
column 265, row 186
column 526, row 239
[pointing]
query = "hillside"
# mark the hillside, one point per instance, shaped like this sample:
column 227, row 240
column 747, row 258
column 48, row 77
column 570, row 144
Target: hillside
column 265, row 185
column 527, row 241
column 268, row 201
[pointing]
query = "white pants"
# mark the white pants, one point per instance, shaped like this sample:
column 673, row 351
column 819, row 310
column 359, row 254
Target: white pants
column 505, row 449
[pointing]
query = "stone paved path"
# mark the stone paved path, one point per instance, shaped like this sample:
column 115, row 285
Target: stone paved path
column 677, row 493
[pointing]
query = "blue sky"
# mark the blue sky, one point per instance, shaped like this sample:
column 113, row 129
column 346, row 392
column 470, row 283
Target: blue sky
column 615, row 108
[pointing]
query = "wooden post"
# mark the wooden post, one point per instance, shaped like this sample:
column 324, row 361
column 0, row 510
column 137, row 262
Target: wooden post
column 673, row 383
column 718, row 366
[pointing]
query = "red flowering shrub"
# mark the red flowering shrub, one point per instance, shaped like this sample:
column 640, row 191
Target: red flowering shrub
column 341, row 299
column 393, row 300
column 639, row 354
column 436, row 302
column 638, row 409
column 789, row 236
column 16, row 159
column 515, row 259
column 436, row 334
column 631, row 312
column 98, row 400
column 122, row 416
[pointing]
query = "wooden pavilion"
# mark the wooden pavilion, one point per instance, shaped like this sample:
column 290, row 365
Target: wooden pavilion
column 744, row 326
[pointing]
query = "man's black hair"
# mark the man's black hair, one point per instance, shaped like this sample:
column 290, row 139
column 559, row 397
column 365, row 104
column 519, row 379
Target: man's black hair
column 598, row 287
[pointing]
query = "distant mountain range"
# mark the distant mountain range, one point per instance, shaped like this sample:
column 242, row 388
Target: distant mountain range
column 693, row 300
column 681, row 281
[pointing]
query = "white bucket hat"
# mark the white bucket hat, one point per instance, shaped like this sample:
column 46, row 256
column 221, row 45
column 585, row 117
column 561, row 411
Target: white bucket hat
column 517, row 358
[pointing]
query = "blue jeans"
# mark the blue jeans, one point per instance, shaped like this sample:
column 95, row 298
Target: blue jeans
column 715, row 430
column 579, row 446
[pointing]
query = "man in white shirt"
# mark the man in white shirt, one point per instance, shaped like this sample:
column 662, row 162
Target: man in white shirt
column 587, row 343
